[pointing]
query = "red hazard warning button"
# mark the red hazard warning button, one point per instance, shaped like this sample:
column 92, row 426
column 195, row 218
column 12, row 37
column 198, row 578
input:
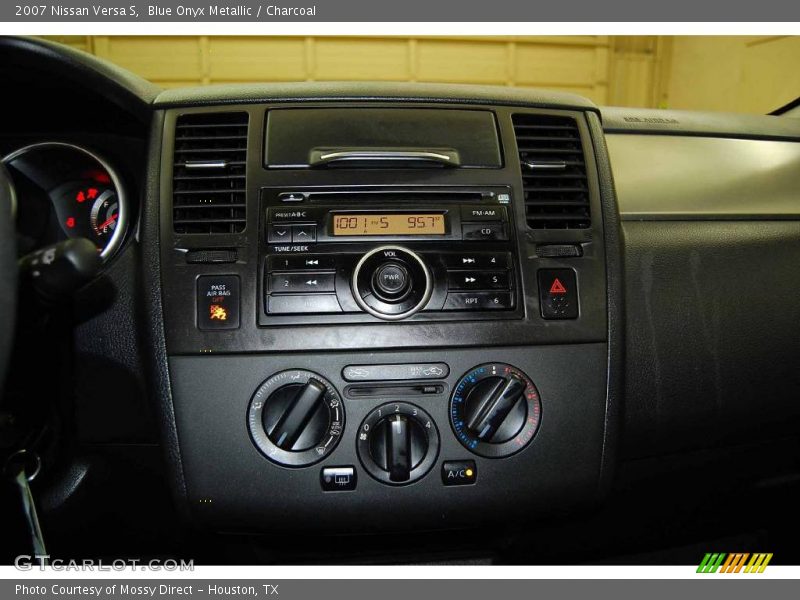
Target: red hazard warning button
column 558, row 294
column 557, row 287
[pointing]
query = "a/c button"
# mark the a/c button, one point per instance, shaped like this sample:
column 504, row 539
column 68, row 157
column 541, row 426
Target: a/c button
column 459, row 472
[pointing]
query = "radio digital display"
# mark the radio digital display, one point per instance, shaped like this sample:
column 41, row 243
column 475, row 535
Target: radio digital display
column 388, row 224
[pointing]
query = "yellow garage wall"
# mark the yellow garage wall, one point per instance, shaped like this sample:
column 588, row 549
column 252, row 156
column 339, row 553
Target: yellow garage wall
column 734, row 73
column 750, row 74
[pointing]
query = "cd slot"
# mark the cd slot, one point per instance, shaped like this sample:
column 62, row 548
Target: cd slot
column 393, row 196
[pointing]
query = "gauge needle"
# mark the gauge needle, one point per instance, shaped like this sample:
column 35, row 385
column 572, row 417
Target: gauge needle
column 108, row 221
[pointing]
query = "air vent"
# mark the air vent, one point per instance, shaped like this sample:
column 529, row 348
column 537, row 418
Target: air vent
column 553, row 172
column 209, row 185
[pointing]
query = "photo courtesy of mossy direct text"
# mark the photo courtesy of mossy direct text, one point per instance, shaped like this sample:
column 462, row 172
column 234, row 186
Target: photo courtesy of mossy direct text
column 124, row 589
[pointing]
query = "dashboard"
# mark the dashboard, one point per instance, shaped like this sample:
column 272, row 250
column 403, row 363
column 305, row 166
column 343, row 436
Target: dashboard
column 383, row 308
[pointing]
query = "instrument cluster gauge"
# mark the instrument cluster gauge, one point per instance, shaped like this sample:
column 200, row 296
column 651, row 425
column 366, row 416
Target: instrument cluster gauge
column 65, row 191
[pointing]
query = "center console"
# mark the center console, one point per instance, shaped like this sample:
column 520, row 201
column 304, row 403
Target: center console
column 382, row 314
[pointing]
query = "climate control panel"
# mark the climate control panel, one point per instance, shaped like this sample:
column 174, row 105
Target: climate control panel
column 396, row 439
column 296, row 417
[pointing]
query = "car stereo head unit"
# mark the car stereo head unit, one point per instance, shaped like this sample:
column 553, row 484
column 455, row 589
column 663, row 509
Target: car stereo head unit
column 389, row 254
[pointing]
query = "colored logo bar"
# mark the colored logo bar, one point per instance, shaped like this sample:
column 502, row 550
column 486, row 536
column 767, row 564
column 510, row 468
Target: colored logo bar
column 734, row 563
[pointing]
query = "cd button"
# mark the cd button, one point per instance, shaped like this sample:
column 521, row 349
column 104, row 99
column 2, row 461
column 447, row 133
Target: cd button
column 483, row 231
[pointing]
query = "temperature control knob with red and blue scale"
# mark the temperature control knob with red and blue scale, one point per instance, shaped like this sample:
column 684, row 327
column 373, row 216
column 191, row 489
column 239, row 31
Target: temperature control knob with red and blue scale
column 495, row 410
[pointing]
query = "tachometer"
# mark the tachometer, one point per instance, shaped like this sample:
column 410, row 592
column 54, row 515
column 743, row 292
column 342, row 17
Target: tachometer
column 88, row 208
column 79, row 190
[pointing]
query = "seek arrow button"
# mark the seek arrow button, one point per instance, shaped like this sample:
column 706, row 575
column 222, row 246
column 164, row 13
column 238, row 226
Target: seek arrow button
column 477, row 280
column 301, row 283
column 279, row 234
column 304, row 233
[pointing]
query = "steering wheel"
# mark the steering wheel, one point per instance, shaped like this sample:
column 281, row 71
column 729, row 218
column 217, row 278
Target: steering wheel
column 8, row 271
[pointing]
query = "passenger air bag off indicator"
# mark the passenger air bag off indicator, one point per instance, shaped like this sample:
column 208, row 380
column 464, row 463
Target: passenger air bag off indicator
column 558, row 294
column 218, row 302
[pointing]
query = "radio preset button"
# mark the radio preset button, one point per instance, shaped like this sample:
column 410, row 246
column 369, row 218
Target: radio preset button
column 478, row 301
column 477, row 280
column 292, row 283
column 476, row 260
column 483, row 231
column 301, row 262
column 302, row 304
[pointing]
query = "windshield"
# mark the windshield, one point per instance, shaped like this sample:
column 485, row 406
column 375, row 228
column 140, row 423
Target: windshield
column 750, row 74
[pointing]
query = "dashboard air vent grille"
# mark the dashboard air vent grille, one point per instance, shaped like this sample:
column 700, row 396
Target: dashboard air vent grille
column 209, row 185
column 553, row 172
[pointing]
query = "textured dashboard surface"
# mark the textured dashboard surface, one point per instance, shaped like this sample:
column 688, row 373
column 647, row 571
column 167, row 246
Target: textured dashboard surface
column 713, row 323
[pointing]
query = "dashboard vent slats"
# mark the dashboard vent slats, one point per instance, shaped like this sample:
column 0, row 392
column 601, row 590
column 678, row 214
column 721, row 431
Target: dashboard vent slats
column 553, row 172
column 209, row 173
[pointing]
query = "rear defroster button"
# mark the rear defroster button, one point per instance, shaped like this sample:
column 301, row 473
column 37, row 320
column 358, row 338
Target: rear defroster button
column 338, row 479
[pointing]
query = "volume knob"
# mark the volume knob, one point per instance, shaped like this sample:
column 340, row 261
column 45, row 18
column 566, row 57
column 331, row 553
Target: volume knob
column 392, row 283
